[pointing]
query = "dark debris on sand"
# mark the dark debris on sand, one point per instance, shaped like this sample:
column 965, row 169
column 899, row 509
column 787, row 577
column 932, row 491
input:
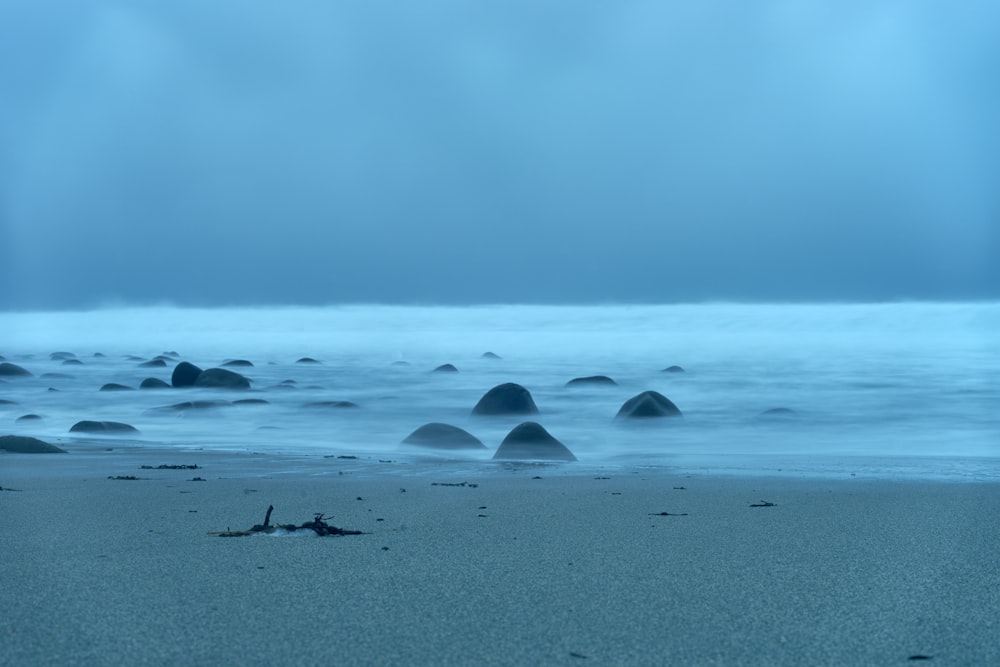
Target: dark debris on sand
column 318, row 525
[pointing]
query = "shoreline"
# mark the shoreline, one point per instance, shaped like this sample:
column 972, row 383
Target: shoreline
column 530, row 564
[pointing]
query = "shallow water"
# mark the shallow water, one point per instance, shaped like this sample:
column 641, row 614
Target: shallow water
column 887, row 383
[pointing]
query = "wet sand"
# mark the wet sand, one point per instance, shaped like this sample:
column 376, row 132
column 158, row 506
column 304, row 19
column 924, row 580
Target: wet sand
column 520, row 565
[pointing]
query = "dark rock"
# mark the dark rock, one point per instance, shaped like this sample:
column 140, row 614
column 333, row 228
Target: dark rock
column 24, row 445
column 443, row 436
column 4, row 401
column 778, row 413
column 331, row 404
column 251, row 401
column 193, row 405
column 445, row 368
column 12, row 370
column 72, row 362
column 673, row 369
column 306, row 360
column 238, row 362
column 531, row 441
column 185, row 374
column 164, row 358
column 592, row 379
column 61, row 356
column 153, row 383
column 114, row 386
column 171, row 353
column 400, row 363
column 102, row 427
column 490, row 355
column 153, row 363
column 648, row 404
column 220, row 378
column 99, row 355
column 506, row 399
column 132, row 357
column 28, row 418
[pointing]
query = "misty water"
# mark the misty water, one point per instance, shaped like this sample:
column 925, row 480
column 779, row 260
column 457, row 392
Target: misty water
column 894, row 389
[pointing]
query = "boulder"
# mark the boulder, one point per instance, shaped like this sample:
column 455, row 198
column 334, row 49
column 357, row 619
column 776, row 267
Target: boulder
column 591, row 379
column 490, row 355
column 60, row 356
column 673, row 369
column 153, row 363
column 12, row 370
column 72, row 362
column 238, row 362
column 506, row 399
column 184, row 374
column 25, row 445
column 531, row 441
column 153, row 383
column 306, row 360
column 28, row 418
column 102, row 427
column 114, row 386
column 331, row 404
column 251, row 401
column 443, row 436
column 220, row 378
column 648, row 404
column 445, row 368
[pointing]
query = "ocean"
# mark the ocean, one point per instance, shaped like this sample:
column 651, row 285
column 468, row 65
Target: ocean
column 897, row 389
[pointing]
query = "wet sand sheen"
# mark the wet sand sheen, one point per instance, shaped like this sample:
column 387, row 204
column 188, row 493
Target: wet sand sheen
column 548, row 565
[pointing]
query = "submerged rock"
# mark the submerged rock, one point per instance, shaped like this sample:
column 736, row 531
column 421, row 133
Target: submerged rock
column 184, row 374
column 28, row 418
column 673, row 369
column 445, row 368
column 443, row 436
column 491, row 355
column 60, row 356
column 592, row 379
column 506, row 399
column 114, row 386
column 153, row 383
column 306, row 360
column 102, row 427
column 251, row 401
column 238, row 362
column 220, row 378
column 13, row 370
column 531, row 441
column 24, row 445
column 331, row 404
column 778, row 413
column 190, row 405
column 648, row 404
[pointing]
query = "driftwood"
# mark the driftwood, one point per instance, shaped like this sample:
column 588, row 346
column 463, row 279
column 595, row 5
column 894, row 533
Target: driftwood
column 318, row 525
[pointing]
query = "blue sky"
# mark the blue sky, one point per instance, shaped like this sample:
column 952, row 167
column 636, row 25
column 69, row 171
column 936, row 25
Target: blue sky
column 458, row 152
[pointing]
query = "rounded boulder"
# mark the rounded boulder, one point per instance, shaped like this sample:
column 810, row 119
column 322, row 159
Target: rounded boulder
column 648, row 404
column 506, row 399
column 531, row 441
column 185, row 374
column 443, row 436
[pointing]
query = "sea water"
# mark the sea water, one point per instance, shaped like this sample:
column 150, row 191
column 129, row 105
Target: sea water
column 894, row 387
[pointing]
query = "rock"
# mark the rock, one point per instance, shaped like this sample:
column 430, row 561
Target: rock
column 648, row 404
column 331, row 404
column 238, row 362
column 251, row 401
column 220, row 378
column 153, row 383
column 490, row 355
column 778, row 413
column 114, row 386
column 5, row 401
column 185, row 374
column 306, row 360
column 443, row 436
column 592, row 379
column 60, row 356
column 531, row 441
column 673, row 369
column 102, row 427
column 153, row 363
column 171, row 353
column 506, row 399
column 25, row 445
column 400, row 363
column 28, row 418
column 99, row 355
column 72, row 362
column 192, row 405
column 445, row 368
column 12, row 370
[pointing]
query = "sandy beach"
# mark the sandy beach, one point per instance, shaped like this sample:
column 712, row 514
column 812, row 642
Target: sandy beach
column 518, row 565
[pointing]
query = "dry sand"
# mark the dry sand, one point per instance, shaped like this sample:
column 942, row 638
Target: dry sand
column 566, row 569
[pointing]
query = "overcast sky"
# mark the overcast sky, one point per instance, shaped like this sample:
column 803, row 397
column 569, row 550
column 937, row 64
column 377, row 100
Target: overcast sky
column 213, row 153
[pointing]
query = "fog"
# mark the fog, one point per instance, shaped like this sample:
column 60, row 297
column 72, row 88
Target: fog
column 241, row 153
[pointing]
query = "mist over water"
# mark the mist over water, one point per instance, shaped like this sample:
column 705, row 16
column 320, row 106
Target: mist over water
column 888, row 382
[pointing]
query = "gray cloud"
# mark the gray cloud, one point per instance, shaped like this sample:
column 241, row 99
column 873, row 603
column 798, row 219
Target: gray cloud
column 460, row 152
